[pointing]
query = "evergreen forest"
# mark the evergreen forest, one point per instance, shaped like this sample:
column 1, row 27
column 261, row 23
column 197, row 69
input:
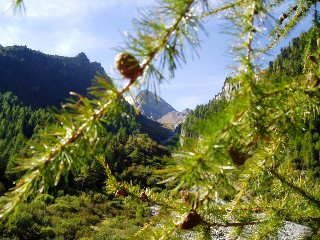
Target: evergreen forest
column 246, row 165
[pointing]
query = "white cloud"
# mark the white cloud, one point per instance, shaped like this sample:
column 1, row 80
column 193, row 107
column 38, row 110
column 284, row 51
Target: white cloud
column 71, row 42
column 63, row 8
column 10, row 34
column 64, row 27
column 67, row 27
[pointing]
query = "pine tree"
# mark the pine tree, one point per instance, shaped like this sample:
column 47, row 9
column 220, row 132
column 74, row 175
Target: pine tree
column 238, row 172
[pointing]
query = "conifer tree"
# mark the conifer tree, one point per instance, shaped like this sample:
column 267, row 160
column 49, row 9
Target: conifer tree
column 238, row 172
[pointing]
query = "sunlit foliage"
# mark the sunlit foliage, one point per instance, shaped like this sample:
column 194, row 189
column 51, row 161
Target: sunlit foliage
column 239, row 170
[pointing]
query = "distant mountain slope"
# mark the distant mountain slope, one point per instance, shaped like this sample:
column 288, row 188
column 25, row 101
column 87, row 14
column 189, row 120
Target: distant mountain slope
column 42, row 80
column 173, row 119
column 157, row 109
column 152, row 105
column 154, row 129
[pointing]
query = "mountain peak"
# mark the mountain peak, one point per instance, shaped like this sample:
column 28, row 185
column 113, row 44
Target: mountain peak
column 157, row 109
column 152, row 105
column 41, row 80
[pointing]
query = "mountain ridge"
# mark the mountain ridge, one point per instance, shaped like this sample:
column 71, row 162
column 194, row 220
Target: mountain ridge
column 155, row 108
column 41, row 80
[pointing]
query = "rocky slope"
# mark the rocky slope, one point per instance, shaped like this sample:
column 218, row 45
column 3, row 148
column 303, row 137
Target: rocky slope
column 157, row 109
column 41, row 80
column 151, row 105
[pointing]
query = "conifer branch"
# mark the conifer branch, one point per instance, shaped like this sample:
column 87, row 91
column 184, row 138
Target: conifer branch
column 17, row 6
column 162, row 38
column 234, row 224
column 217, row 10
column 165, row 39
column 253, row 127
column 54, row 152
column 297, row 189
column 293, row 14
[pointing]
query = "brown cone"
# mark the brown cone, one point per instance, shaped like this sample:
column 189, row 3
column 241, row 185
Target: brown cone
column 128, row 66
column 143, row 197
column 192, row 220
column 121, row 192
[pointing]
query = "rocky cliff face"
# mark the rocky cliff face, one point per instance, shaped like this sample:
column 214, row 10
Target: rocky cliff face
column 173, row 119
column 151, row 105
column 227, row 89
column 157, row 109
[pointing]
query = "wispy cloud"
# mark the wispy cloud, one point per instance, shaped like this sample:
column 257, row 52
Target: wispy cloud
column 69, row 43
column 67, row 27
column 63, row 8
column 10, row 33
column 64, row 27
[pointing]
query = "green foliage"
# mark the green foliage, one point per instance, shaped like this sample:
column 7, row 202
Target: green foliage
column 122, row 223
column 239, row 170
column 92, row 216
column 192, row 126
column 2, row 189
column 131, row 157
column 291, row 60
column 17, row 125
column 134, row 158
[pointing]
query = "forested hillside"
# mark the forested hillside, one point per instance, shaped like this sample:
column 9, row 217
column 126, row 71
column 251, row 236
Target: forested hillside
column 41, row 80
column 17, row 125
column 130, row 146
column 289, row 63
column 131, row 156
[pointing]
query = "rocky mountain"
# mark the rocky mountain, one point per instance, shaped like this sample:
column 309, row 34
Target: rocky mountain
column 151, row 105
column 41, row 80
column 157, row 109
column 173, row 119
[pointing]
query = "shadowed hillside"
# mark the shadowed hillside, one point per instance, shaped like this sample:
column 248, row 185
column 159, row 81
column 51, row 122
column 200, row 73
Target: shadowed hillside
column 42, row 80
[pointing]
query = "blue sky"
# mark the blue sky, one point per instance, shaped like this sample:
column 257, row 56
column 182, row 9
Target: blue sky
column 68, row 27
